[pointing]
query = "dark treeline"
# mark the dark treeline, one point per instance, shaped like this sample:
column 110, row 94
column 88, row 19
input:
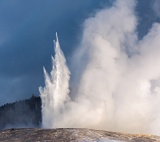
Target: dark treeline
column 21, row 114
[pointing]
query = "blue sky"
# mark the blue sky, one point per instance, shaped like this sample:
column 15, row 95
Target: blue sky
column 27, row 29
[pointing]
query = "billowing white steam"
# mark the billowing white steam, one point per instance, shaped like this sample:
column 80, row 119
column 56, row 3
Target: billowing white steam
column 55, row 92
column 116, row 77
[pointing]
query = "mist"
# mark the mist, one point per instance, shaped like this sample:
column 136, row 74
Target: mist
column 115, row 77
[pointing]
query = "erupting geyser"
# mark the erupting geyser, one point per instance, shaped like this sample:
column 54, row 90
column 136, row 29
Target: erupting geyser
column 55, row 92
column 115, row 76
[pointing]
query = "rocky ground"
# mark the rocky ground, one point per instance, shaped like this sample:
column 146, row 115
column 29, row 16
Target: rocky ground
column 71, row 135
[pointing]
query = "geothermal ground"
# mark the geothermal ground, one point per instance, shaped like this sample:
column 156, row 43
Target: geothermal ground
column 71, row 135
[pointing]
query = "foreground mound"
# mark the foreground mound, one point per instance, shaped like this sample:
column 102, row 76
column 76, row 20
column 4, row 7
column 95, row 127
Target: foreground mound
column 71, row 135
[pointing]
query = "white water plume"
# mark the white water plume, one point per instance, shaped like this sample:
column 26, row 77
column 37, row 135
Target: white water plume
column 55, row 92
column 116, row 77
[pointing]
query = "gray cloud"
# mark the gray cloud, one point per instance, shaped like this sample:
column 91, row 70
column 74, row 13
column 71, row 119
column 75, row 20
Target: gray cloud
column 156, row 7
column 27, row 29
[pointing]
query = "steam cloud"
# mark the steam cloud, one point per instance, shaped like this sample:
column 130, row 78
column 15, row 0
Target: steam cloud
column 115, row 77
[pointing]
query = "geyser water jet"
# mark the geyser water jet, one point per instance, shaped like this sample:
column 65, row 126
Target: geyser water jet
column 116, row 77
column 55, row 92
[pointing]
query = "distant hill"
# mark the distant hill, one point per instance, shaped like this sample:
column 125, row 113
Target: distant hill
column 21, row 114
column 71, row 135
